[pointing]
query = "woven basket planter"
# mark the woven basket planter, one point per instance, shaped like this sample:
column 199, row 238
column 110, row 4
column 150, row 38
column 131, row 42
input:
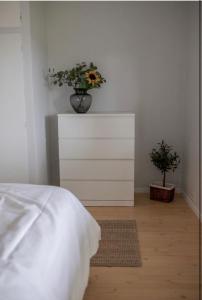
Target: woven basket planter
column 160, row 193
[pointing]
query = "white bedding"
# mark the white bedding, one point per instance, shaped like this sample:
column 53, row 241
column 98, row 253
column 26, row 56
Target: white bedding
column 46, row 240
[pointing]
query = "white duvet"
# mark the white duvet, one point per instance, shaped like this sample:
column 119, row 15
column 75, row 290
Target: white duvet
column 46, row 241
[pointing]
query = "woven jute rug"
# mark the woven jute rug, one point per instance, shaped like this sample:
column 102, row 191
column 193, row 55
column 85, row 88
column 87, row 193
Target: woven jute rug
column 119, row 246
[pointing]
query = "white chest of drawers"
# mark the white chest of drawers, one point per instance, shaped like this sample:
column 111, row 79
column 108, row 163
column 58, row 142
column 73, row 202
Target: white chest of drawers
column 96, row 157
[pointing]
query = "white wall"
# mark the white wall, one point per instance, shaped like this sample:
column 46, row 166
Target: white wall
column 35, row 70
column 23, row 93
column 140, row 48
column 13, row 131
column 147, row 52
column 40, row 87
column 191, row 130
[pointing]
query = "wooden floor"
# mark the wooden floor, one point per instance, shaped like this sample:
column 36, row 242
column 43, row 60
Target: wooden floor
column 168, row 234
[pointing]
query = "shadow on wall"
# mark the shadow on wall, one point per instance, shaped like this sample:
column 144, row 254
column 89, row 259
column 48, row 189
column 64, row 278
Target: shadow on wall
column 52, row 150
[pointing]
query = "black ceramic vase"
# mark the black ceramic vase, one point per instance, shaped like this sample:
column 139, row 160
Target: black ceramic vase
column 80, row 100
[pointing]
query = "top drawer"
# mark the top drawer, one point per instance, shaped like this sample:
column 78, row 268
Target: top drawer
column 96, row 126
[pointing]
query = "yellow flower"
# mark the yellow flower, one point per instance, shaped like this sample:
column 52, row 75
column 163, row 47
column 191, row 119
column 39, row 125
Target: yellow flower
column 92, row 77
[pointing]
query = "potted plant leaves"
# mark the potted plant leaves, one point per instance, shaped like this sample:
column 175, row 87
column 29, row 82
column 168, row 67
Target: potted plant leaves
column 165, row 159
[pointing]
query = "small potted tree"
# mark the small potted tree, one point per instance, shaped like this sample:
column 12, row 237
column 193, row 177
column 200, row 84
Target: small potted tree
column 165, row 159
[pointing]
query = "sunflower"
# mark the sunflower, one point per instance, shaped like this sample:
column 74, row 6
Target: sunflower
column 93, row 77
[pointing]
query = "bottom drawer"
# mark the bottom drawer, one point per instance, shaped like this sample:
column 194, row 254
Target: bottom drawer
column 108, row 203
column 100, row 190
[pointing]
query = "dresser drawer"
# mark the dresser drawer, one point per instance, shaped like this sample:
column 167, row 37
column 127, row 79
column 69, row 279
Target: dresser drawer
column 101, row 190
column 96, row 148
column 96, row 156
column 96, row 126
column 97, row 169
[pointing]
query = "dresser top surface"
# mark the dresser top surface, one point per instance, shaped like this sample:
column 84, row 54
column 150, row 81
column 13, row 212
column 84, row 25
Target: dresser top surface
column 97, row 115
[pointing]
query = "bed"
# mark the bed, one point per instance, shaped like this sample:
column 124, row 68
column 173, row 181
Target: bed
column 46, row 241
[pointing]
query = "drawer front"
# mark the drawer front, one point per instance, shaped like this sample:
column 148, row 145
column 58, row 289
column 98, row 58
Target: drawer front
column 96, row 148
column 101, row 190
column 96, row 126
column 97, row 169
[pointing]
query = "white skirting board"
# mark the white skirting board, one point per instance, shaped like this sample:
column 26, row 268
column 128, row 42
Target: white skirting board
column 191, row 204
column 146, row 190
column 188, row 199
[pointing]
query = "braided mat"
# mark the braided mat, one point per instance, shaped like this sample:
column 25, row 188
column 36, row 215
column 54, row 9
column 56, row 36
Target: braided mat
column 119, row 246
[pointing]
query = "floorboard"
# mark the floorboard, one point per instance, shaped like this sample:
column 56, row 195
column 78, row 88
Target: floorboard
column 168, row 234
